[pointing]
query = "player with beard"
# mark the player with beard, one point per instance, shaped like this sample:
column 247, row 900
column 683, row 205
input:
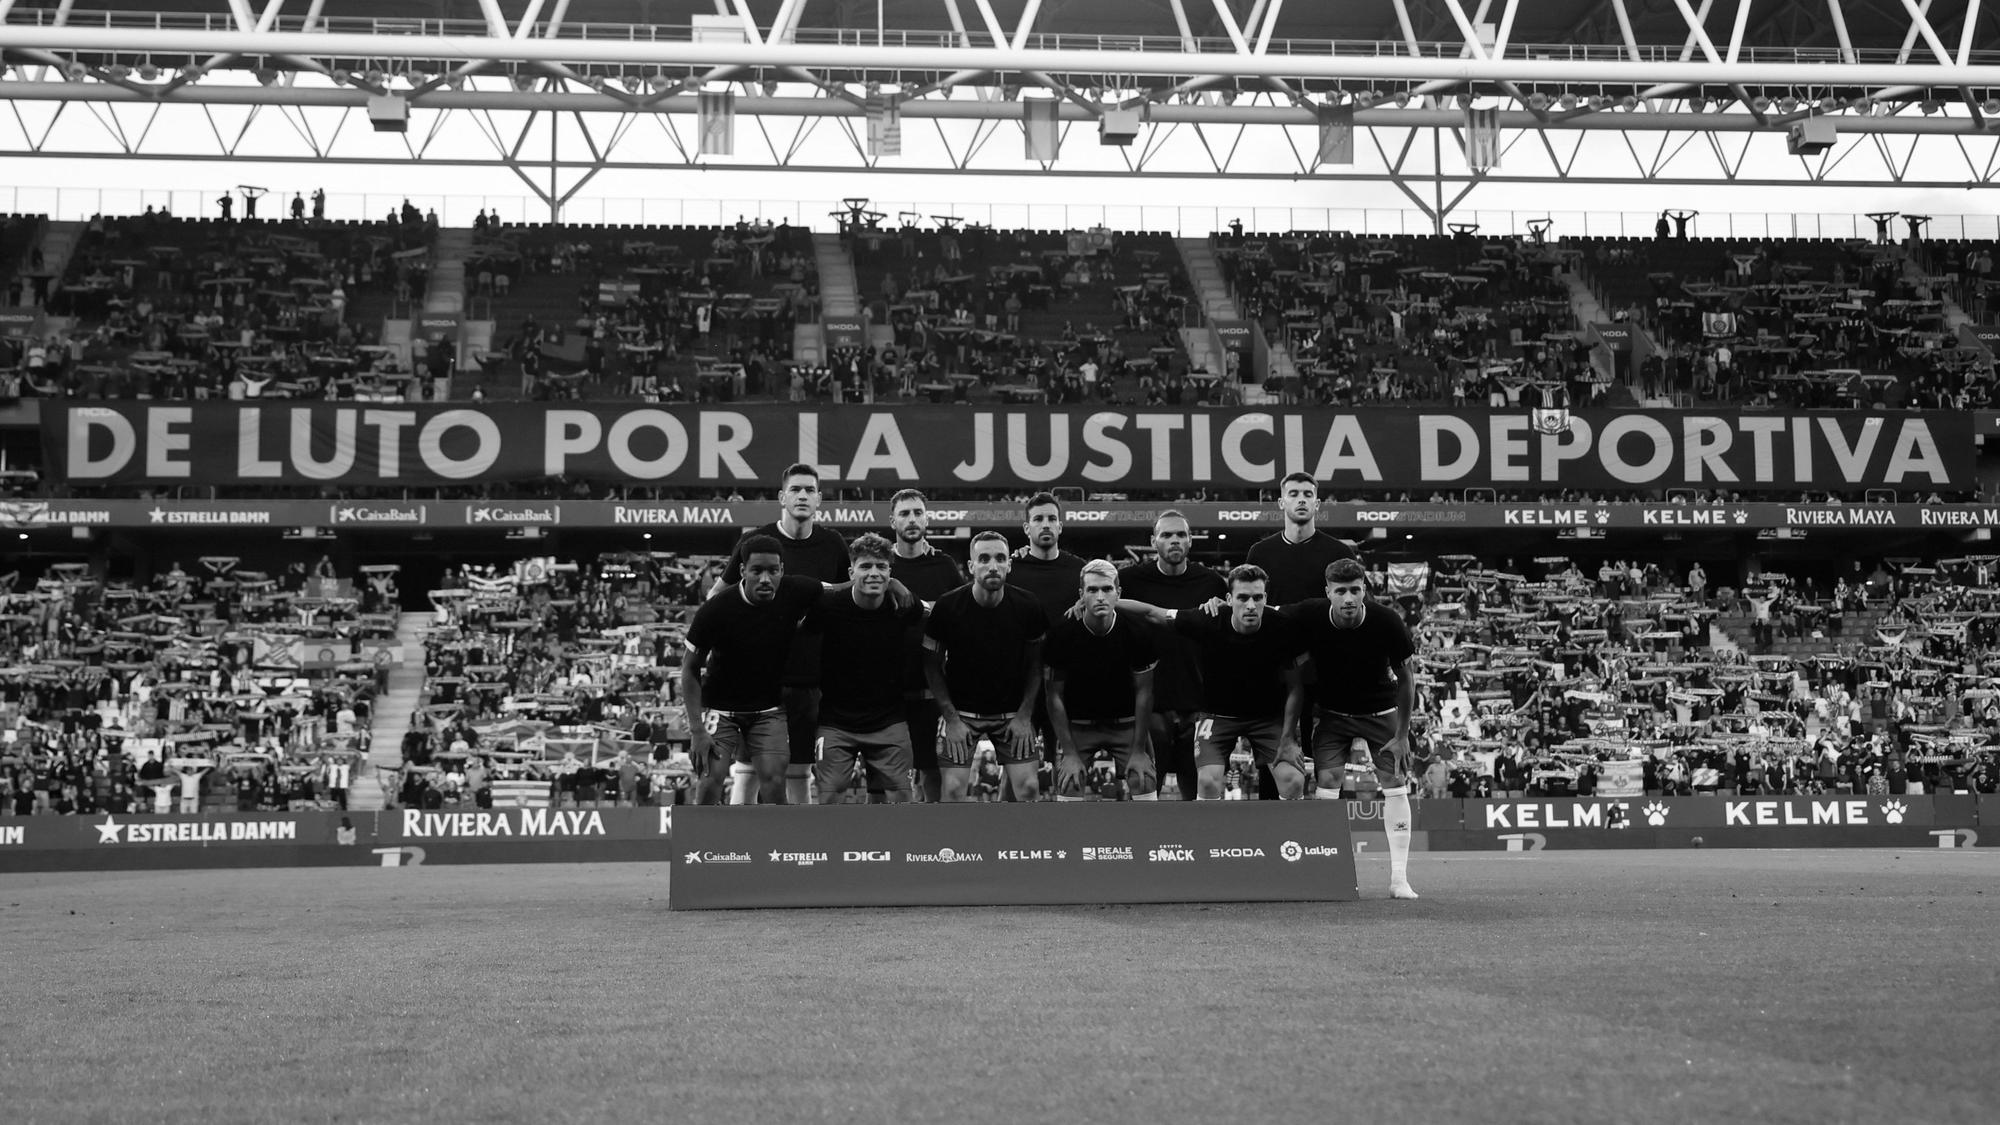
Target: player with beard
column 862, row 634
column 1251, row 684
column 1170, row 581
column 1044, row 569
column 810, row 550
column 1100, row 689
column 983, row 659
column 1296, row 558
column 930, row 574
column 1364, row 661
column 731, row 677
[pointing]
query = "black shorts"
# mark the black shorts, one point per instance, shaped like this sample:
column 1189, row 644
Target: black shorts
column 755, row 737
column 1215, row 739
column 1333, row 743
column 885, row 754
column 998, row 730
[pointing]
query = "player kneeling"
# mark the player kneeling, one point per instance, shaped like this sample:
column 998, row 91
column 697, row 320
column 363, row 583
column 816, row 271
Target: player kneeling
column 1251, row 689
column 1100, row 690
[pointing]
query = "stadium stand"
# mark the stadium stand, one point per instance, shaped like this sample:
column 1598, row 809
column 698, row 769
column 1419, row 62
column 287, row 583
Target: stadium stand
column 551, row 684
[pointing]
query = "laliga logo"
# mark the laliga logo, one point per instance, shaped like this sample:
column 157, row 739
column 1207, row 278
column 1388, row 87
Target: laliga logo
column 1292, row 851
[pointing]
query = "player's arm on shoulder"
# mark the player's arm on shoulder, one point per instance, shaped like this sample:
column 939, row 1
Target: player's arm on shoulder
column 1145, row 611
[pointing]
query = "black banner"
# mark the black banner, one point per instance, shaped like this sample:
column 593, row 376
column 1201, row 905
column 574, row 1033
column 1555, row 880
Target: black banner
column 366, row 444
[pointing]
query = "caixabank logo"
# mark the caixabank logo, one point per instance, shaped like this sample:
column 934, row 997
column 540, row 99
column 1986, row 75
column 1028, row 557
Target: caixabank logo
column 716, row 857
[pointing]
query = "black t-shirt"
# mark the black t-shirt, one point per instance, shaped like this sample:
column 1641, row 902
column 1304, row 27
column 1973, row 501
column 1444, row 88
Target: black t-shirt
column 748, row 645
column 929, row 577
column 1356, row 669
column 1297, row 570
column 1097, row 670
column 1177, row 680
column 1056, row 582
column 1242, row 674
column 861, row 650
column 821, row 556
column 983, row 646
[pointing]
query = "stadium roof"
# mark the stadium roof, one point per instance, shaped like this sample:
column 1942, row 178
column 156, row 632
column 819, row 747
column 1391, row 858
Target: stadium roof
column 1823, row 76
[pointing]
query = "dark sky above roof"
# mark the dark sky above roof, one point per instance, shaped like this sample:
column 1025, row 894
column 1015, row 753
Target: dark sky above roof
column 1876, row 23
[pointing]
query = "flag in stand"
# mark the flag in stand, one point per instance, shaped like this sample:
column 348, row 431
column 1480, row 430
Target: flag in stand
column 1336, row 134
column 1718, row 323
column 718, row 123
column 1482, row 139
column 885, row 126
column 1039, row 119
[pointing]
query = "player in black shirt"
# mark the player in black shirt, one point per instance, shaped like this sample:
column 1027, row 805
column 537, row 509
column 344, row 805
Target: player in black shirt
column 983, row 659
column 930, row 574
column 1297, row 557
column 1100, row 689
column 1045, row 570
column 1170, row 581
column 737, row 646
column 863, row 637
column 1366, row 683
column 1251, row 684
column 812, row 551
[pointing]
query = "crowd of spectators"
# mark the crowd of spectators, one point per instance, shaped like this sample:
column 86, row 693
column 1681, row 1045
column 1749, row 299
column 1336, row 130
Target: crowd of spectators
column 221, row 688
column 1540, row 675
column 160, row 307
column 553, row 683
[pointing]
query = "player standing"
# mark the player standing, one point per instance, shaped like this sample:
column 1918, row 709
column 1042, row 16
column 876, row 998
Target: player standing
column 1251, row 684
column 810, row 551
column 1170, row 581
column 1296, row 558
column 1044, row 569
column 1366, row 682
column 1100, row 689
column 930, row 574
column 983, row 659
column 863, row 639
column 738, row 645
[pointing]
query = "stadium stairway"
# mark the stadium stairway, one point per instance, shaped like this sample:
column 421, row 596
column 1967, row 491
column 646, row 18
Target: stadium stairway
column 391, row 715
column 58, row 243
column 1212, row 290
column 838, row 294
column 445, row 292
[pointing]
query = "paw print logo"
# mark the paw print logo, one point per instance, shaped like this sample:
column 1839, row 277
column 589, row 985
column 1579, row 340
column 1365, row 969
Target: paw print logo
column 1601, row 516
column 1740, row 516
column 1893, row 812
column 1656, row 814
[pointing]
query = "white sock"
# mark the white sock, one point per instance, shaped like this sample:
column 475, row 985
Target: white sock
column 1327, row 795
column 1147, row 797
column 1060, row 797
column 741, row 778
column 1396, row 825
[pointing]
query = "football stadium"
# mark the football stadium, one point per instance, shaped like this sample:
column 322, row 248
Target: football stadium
column 1484, row 508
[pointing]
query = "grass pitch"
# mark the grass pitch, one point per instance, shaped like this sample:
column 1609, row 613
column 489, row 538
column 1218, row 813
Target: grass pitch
column 1724, row 986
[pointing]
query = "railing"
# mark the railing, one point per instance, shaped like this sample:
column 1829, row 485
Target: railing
column 1166, row 42
column 73, row 203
